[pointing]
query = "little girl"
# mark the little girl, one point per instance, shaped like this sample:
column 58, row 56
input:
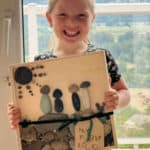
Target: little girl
column 71, row 21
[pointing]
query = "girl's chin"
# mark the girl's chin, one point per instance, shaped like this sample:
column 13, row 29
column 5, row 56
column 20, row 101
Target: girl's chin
column 71, row 38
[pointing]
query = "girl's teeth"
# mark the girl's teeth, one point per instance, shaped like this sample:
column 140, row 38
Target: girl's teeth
column 71, row 33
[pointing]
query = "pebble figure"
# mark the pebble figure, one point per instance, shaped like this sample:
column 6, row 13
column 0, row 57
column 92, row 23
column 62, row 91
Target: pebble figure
column 85, row 94
column 45, row 103
column 74, row 88
column 58, row 102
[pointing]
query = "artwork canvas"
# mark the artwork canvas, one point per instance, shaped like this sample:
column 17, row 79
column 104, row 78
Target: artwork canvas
column 61, row 102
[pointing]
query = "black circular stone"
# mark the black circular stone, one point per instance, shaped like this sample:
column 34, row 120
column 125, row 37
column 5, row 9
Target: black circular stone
column 85, row 84
column 57, row 93
column 58, row 105
column 76, row 101
column 23, row 75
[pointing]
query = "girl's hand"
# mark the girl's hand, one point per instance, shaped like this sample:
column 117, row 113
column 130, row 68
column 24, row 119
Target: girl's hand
column 111, row 99
column 14, row 115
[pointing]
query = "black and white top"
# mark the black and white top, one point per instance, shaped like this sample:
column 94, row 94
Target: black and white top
column 111, row 64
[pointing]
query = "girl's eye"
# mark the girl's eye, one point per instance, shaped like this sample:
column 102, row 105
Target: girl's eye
column 82, row 16
column 62, row 15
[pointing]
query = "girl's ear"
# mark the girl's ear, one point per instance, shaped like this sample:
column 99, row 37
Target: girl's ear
column 49, row 19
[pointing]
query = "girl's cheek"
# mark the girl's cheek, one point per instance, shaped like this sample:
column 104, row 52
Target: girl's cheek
column 86, row 22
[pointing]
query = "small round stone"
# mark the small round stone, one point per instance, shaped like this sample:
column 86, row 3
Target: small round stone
column 57, row 93
column 32, row 94
column 73, row 88
column 41, row 67
column 35, row 75
column 19, row 87
column 40, row 74
column 28, row 87
column 20, row 92
column 32, row 68
column 45, row 89
column 85, row 84
column 20, row 96
column 30, row 91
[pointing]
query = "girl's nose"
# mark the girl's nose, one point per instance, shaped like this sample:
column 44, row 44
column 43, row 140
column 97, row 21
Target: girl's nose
column 71, row 22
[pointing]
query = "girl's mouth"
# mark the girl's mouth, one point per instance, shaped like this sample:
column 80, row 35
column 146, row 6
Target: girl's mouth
column 71, row 33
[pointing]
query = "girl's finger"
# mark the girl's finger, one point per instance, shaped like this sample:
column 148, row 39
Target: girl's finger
column 10, row 107
column 110, row 106
column 14, row 112
column 110, row 93
column 13, row 126
column 14, row 122
column 13, row 117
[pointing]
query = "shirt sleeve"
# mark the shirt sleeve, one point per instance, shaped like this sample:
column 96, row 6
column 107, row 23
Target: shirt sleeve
column 44, row 56
column 113, row 69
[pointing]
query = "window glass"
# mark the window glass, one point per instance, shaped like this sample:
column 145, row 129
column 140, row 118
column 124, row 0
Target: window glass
column 127, row 37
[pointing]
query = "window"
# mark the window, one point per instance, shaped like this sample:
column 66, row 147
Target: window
column 36, row 29
column 126, row 33
column 127, row 37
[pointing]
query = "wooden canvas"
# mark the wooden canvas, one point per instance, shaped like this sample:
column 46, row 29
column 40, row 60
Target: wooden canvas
column 63, row 88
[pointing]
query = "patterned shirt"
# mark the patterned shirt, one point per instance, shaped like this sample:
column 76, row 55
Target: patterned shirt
column 111, row 64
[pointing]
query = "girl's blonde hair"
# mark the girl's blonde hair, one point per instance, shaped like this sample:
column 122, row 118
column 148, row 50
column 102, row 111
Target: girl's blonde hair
column 51, row 5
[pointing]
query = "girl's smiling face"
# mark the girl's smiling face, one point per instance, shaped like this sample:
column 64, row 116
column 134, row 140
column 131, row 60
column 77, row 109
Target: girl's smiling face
column 71, row 20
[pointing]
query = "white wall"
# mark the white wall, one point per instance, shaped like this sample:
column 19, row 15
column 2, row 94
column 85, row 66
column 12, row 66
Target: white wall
column 10, row 52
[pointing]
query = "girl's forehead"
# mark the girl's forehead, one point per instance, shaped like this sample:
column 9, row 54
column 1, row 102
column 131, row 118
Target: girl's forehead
column 72, row 5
